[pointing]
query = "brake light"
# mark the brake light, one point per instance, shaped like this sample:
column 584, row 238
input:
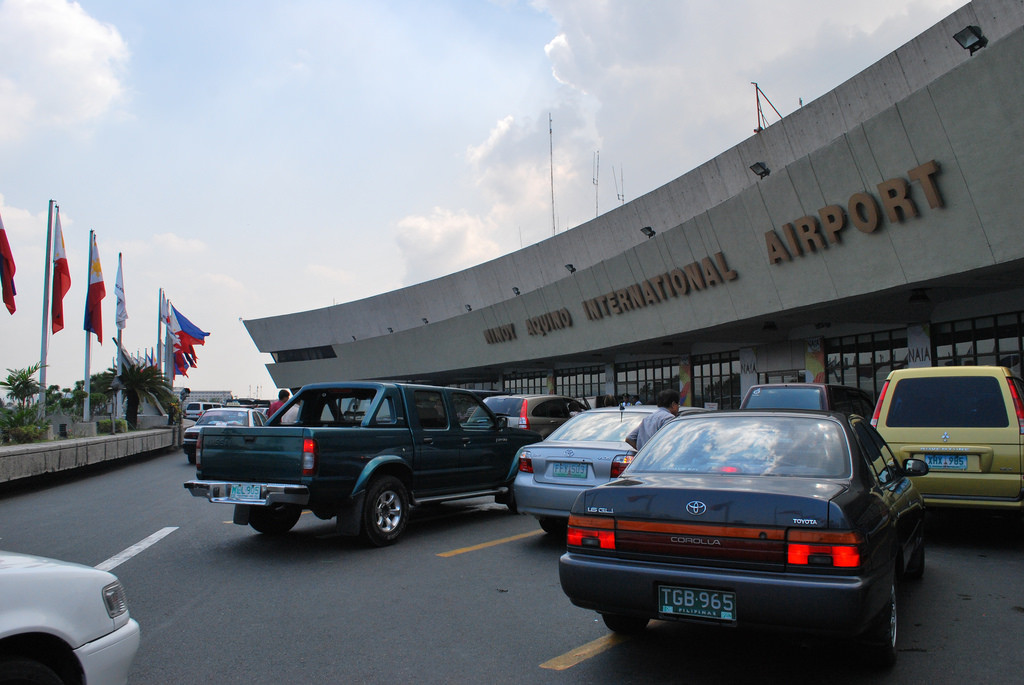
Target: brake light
column 878, row 406
column 619, row 464
column 525, row 462
column 591, row 531
column 822, row 548
column 199, row 451
column 524, row 418
column 310, row 456
column 1017, row 404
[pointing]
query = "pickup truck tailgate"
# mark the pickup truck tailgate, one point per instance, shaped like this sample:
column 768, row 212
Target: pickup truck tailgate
column 258, row 455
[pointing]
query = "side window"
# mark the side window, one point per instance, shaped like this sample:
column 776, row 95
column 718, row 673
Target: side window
column 552, row 409
column 872, row 448
column 471, row 412
column 430, row 409
column 387, row 414
column 841, row 401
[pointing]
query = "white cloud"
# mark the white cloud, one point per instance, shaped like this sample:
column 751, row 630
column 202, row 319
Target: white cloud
column 175, row 243
column 443, row 242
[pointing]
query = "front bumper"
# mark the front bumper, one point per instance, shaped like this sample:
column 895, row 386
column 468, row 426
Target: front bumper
column 108, row 659
column 270, row 493
column 828, row 605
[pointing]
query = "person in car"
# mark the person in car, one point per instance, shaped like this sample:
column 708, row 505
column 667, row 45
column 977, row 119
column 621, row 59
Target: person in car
column 668, row 407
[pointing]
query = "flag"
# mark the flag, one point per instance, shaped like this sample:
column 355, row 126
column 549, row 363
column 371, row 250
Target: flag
column 186, row 336
column 61, row 276
column 97, row 291
column 122, row 307
column 6, row 269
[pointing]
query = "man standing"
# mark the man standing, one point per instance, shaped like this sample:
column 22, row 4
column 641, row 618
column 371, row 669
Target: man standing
column 668, row 407
column 282, row 397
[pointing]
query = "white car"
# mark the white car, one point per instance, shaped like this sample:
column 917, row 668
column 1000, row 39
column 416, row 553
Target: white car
column 63, row 623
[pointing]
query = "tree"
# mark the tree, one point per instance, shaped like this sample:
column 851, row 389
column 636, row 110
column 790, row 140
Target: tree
column 138, row 383
column 21, row 386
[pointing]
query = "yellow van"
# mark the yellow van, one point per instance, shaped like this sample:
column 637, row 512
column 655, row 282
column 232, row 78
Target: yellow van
column 967, row 424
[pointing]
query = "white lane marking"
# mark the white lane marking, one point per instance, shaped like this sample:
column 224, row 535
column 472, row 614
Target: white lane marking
column 121, row 557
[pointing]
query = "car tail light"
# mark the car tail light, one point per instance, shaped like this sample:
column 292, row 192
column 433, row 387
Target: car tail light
column 619, row 464
column 525, row 462
column 199, row 450
column 310, row 456
column 1017, row 404
column 591, row 531
column 878, row 406
column 823, row 548
column 524, row 415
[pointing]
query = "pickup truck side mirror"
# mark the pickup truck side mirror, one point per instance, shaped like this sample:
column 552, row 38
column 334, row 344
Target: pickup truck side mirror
column 502, row 422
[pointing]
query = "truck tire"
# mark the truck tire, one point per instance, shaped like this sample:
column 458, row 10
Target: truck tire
column 27, row 671
column 385, row 511
column 275, row 519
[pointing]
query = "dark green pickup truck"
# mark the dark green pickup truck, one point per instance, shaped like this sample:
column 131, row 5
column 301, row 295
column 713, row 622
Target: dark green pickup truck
column 363, row 452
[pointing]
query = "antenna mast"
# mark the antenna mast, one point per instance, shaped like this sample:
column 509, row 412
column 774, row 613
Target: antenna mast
column 551, row 152
column 620, row 182
column 762, row 122
column 596, row 180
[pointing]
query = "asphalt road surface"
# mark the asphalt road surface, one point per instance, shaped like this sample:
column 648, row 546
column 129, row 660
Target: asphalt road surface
column 469, row 595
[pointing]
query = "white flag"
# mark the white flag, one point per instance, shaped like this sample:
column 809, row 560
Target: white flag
column 122, row 307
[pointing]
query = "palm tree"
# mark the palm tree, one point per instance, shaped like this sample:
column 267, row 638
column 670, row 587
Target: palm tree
column 20, row 384
column 139, row 383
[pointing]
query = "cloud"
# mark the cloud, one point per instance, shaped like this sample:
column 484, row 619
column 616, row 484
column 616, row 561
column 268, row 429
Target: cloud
column 60, row 67
column 443, row 242
column 175, row 243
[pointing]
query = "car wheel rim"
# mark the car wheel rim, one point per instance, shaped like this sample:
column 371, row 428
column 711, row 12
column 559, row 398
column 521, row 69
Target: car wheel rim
column 389, row 511
column 892, row 617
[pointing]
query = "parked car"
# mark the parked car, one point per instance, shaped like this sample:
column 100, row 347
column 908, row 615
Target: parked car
column 219, row 416
column 783, row 519
column 539, row 413
column 193, row 410
column 63, row 623
column 587, row 450
column 841, row 398
column 967, row 424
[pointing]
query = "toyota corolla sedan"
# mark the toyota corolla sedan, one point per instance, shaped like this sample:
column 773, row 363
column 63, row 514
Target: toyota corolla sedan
column 587, row 450
column 219, row 416
column 795, row 520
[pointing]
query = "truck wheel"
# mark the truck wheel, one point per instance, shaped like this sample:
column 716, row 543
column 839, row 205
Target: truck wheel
column 27, row 671
column 275, row 519
column 385, row 511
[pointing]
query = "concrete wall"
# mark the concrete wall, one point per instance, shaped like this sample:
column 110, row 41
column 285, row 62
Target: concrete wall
column 24, row 461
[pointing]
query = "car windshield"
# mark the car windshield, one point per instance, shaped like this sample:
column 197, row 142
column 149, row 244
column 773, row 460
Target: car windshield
column 230, row 418
column 598, row 426
column 508, row 406
column 785, row 398
column 747, row 445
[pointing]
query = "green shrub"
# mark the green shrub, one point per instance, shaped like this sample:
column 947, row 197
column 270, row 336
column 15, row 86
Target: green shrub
column 103, row 426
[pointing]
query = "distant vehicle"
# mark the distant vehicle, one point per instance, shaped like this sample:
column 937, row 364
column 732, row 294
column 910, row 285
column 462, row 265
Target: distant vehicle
column 967, row 424
column 587, row 450
column 63, row 623
column 791, row 520
column 540, row 413
column 827, row 396
column 219, row 416
column 193, row 410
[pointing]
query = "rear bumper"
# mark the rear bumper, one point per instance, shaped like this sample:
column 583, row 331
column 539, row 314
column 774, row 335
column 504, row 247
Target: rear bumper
column 544, row 500
column 828, row 605
column 270, row 493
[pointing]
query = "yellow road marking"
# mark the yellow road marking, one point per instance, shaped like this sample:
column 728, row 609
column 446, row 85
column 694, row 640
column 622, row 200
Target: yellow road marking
column 575, row 656
column 492, row 543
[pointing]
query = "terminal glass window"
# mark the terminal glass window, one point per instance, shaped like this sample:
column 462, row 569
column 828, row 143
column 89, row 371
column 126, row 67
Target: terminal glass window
column 864, row 361
column 645, row 379
column 586, row 381
column 526, row 384
column 716, row 380
column 988, row 340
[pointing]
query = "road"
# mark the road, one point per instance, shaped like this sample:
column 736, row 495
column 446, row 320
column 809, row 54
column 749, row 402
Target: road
column 469, row 595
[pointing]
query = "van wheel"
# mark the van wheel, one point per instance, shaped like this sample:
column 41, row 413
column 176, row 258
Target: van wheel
column 276, row 519
column 385, row 511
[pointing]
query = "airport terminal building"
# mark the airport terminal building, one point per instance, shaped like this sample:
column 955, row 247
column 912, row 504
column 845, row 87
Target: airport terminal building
column 878, row 227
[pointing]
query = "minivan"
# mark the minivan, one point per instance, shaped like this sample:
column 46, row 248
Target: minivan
column 193, row 410
column 966, row 423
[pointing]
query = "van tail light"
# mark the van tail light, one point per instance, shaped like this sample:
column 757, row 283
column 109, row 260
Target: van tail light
column 199, row 451
column 310, row 456
column 524, row 416
column 619, row 464
column 878, row 405
column 1017, row 404
column 823, row 548
column 591, row 531
column 525, row 462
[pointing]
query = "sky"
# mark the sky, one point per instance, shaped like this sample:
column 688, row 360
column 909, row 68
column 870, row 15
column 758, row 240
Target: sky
column 265, row 157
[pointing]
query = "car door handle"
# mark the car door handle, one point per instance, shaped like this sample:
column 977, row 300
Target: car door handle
column 465, row 441
column 428, row 441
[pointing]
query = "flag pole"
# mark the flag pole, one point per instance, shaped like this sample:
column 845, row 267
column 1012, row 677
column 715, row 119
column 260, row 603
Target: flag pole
column 86, row 409
column 159, row 330
column 119, row 299
column 44, row 338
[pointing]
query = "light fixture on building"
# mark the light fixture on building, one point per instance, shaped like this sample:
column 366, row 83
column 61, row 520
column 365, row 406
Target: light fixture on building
column 469, row 308
column 571, row 268
column 971, row 39
column 515, row 290
column 761, row 169
column 769, row 326
column 648, row 231
column 390, row 329
column 919, row 296
column 425, row 320
column 822, row 324
column 353, row 338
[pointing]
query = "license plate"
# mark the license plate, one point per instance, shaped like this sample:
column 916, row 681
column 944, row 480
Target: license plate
column 562, row 469
column 246, row 491
column 950, row 462
column 695, row 602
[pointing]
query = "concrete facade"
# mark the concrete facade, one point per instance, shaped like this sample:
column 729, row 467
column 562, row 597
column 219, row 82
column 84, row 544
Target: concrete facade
column 902, row 180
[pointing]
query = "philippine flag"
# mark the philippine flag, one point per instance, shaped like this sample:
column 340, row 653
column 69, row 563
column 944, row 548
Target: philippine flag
column 186, row 336
column 97, row 291
column 6, row 270
column 61, row 277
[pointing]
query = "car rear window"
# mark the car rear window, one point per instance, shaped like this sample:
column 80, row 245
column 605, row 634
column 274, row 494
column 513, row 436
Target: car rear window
column 785, row 398
column 509, row 406
column 747, row 445
column 948, row 401
column 598, row 427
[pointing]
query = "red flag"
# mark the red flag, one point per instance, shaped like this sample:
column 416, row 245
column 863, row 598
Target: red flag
column 6, row 269
column 61, row 277
column 97, row 291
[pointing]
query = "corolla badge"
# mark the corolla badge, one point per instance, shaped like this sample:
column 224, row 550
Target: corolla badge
column 696, row 507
